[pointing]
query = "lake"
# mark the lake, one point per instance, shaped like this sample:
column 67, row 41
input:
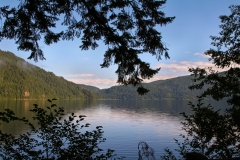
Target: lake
column 125, row 123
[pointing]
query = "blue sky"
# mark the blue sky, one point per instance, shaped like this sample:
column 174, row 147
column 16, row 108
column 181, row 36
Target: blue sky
column 186, row 38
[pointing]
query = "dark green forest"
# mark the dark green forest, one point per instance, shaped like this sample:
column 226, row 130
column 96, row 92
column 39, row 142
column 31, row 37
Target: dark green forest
column 175, row 88
column 22, row 80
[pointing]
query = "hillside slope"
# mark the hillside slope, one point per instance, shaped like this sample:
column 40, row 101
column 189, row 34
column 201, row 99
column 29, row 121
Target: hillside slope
column 22, row 80
column 175, row 88
column 90, row 88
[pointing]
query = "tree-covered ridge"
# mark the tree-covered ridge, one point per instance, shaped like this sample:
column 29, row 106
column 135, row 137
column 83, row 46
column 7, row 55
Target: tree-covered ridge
column 175, row 88
column 22, row 80
column 90, row 88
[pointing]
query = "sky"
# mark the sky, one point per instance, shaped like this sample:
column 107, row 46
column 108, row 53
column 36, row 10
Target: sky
column 187, row 38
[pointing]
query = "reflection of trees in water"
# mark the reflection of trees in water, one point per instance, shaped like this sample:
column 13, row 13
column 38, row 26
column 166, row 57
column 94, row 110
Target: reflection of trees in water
column 21, row 109
column 166, row 106
column 26, row 105
column 151, row 107
column 145, row 152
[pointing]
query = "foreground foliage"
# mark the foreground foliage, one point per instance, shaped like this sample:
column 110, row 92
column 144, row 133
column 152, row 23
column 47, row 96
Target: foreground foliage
column 209, row 133
column 225, row 56
column 55, row 137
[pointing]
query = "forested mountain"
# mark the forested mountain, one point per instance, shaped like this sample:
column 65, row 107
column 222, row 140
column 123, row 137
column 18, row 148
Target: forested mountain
column 90, row 88
column 175, row 88
column 22, row 80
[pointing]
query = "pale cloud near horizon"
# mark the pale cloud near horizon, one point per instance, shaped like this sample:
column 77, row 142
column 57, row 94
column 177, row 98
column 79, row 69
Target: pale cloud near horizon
column 98, row 82
column 183, row 66
column 168, row 70
column 80, row 75
column 162, row 76
column 180, row 68
column 201, row 55
column 91, row 79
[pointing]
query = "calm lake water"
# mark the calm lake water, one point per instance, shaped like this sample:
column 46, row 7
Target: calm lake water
column 125, row 123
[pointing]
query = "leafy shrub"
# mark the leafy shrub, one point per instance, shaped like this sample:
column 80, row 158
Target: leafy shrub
column 209, row 133
column 55, row 137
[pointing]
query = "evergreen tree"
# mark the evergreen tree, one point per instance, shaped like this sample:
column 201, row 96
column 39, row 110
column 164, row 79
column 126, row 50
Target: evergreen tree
column 209, row 133
column 128, row 28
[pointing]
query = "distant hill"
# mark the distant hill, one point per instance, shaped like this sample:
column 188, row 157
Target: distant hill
column 90, row 88
column 22, row 80
column 175, row 88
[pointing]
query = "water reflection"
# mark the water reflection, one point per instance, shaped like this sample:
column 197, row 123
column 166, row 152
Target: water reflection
column 134, row 109
column 125, row 123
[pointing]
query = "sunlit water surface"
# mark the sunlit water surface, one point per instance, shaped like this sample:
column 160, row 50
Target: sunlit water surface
column 125, row 123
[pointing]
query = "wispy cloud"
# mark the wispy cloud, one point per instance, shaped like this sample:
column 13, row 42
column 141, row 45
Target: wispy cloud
column 183, row 66
column 98, row 82
column 79, row 75
column 180, row 68
column 162, row 76
column 91, row 79
column 201, row 55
